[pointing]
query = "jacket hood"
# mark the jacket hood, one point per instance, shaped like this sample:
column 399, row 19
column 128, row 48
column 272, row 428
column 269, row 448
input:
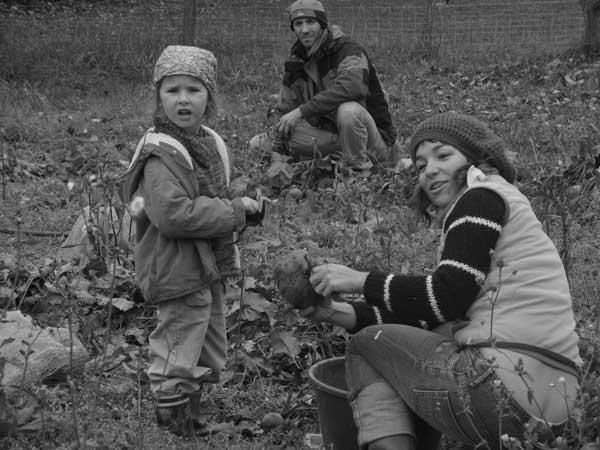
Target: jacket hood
column 129, row 182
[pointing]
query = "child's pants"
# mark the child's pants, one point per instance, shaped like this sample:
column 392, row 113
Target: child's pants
column 189, row 344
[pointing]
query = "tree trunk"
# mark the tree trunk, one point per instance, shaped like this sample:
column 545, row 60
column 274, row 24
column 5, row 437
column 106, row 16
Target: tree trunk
column 591, row 34
column 429, row 50
column 188, row 35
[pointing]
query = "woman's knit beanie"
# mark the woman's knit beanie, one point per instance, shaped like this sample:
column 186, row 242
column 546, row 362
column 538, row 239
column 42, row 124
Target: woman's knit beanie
column 308, row 8
column 469, row 135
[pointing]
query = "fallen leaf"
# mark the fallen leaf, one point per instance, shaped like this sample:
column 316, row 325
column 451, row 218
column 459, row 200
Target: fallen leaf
column 254, row 305
column 122, row 304
column 285, row 342
column 280, row 174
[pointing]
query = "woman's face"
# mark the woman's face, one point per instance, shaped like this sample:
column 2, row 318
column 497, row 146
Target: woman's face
column 437, row 164
column 183, row 99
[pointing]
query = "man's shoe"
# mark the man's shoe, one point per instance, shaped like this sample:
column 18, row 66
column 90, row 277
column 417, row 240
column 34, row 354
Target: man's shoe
column 261, row 142
column 360, row 169
column 266, row 143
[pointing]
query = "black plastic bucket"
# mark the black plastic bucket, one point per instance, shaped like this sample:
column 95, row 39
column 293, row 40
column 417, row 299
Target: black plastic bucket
column 328, row 379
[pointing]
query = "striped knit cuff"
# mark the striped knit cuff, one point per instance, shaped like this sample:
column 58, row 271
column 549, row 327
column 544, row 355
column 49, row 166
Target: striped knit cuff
column 376, row 288
column 366, row 315
column 170, row 401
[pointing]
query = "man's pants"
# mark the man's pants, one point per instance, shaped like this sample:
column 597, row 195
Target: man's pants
column 189, row 344
column 357, row 138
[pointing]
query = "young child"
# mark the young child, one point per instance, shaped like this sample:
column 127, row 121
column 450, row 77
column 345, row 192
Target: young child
column 509, row 354
column 176, row 188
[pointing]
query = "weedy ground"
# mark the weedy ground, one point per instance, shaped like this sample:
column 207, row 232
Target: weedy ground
column 73, row 110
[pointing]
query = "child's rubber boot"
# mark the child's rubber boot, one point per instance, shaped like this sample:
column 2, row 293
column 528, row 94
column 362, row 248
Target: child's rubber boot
column 174, row 412
column 203, row 410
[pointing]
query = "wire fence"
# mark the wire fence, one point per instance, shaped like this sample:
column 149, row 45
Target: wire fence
column 449, row 27
column 446, row 27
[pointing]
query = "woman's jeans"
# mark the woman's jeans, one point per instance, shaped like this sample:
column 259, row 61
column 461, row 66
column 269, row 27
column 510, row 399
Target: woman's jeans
column 405, row 380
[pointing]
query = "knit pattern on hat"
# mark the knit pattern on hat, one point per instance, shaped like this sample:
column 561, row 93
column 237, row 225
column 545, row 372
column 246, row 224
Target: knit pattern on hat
column 469, row 135
column 308, row 8
column 186, row 60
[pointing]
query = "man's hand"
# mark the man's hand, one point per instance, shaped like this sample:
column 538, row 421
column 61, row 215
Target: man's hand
column 288, row 122
column 329, row 278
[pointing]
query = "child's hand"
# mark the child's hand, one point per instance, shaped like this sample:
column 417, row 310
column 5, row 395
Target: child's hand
column 255, row 209
column 251, row 206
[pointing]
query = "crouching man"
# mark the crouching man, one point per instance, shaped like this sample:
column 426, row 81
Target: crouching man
column 331, row 101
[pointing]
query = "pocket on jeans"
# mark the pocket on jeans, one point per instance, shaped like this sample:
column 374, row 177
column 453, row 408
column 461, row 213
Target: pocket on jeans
column 435, row 408
column 200, row 298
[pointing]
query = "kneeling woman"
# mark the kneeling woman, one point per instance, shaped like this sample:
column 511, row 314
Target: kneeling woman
column 508, row 353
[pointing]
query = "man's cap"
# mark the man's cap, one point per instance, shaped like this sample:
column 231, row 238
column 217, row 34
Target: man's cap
column 308, row 8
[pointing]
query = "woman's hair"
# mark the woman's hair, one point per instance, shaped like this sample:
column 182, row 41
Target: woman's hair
column 211, row 104
column 421, row 203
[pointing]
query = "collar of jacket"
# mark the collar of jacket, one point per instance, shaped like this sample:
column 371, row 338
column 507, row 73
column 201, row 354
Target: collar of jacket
column 330, row 46
column 167, row 153
column 128, row 182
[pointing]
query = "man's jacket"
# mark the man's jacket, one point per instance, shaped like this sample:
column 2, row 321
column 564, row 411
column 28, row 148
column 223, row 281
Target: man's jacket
column 339, row 71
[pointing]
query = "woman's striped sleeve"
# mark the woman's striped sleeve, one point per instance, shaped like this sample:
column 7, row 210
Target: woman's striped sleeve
column 472, row 230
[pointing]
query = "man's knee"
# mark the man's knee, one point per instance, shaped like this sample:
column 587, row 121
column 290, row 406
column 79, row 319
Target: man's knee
column 349, row 113
column 393, row 443
column 309, row 141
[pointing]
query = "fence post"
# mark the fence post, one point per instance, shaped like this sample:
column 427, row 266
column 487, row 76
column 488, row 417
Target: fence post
column 591, row 34
column 188, row 36
column 427, row 35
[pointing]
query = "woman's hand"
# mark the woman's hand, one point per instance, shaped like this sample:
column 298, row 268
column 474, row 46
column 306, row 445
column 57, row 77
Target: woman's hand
column 318, row 313
column 329, row 278
column 337, row 313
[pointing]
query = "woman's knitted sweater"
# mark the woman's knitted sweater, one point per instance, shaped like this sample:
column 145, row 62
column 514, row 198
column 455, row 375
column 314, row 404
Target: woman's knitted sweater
column 471, row 230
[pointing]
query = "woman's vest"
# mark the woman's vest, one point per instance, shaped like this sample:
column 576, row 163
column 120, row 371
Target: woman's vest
column 525, row 296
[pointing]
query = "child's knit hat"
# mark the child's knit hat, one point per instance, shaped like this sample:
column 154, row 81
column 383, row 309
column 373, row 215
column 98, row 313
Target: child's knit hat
column 308, row 8
column 186, row 60
column 467, row 134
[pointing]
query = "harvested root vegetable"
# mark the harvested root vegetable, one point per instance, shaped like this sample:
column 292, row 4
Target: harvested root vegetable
column 292, row 278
